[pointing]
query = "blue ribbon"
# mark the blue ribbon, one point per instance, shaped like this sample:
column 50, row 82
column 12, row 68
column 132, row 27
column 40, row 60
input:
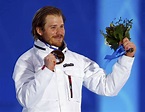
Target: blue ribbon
column 117, row 53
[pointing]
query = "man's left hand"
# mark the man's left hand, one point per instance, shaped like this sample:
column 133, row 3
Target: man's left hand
column 128, row 45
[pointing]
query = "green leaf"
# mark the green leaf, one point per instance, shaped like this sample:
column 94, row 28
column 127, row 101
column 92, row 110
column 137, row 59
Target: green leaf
column 117, row 31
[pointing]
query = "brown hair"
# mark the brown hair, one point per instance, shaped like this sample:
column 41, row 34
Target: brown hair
column 39, row 18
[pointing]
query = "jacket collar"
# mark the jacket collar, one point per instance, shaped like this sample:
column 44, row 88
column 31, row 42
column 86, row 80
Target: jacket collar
column 43, row 46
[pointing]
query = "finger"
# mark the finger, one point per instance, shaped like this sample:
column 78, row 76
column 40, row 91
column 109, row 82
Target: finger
column 50, row 58
column 54, row 61
column 126, row 43
column 129, row 45
column 125, row 40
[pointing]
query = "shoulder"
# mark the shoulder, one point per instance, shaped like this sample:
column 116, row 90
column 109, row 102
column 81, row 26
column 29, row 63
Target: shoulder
column 27, row 53
column 75, row 54
column 26, row 56
column 78, row 57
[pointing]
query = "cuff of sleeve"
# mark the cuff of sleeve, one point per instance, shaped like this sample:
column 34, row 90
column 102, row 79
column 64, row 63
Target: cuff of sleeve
column 126, row 61
column 44, row 66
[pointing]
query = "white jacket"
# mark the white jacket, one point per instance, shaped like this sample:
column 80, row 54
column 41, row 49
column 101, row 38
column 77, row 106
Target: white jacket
column 40, row 90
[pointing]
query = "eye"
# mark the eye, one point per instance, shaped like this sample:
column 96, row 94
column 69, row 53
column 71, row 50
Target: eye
column 62, row 26
column 53, row 27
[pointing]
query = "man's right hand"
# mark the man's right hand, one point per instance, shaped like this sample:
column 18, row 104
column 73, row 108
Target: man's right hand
column 50, row 61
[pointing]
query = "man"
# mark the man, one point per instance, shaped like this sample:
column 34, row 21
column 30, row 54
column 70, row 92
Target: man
column 42, row 85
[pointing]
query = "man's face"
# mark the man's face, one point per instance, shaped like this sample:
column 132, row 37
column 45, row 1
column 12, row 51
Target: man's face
column 54, row 31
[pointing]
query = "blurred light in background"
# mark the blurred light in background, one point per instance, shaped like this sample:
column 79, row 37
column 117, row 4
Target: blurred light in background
column 127, row 99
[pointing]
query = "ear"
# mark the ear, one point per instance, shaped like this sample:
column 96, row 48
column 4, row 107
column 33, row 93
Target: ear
column 39, row 31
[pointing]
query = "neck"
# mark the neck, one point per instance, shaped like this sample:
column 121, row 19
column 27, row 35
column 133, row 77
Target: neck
column 53, row 47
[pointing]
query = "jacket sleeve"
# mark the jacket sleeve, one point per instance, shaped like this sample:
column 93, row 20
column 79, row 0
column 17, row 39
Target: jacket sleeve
column 109, row 85
column 30, row 86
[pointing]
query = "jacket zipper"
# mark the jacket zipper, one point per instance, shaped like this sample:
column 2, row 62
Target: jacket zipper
column 70, row 86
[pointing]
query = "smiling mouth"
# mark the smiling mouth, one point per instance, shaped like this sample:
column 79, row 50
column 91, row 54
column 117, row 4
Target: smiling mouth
column 59, row 38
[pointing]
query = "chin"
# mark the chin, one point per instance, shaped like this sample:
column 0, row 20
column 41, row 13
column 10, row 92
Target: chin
column 58, row 44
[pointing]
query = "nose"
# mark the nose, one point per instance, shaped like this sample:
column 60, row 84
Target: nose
column 60, row 31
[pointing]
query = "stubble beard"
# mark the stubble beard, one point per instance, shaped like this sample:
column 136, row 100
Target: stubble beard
column 57, row 40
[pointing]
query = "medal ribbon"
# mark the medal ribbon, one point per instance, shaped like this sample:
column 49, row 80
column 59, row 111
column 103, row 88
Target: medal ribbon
column 117, row 53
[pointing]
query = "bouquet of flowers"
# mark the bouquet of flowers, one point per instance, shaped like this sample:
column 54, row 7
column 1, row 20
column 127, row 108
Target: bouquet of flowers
column 116, row 32
column 114, row 35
